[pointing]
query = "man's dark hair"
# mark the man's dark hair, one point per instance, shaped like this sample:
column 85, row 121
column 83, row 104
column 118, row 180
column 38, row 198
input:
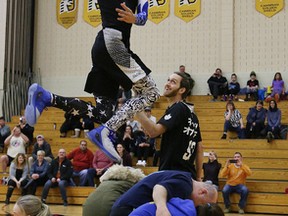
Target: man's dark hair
column 187, row 82
column 259, row 102
column 209, row 209
column 83, row 141
column 2, row 118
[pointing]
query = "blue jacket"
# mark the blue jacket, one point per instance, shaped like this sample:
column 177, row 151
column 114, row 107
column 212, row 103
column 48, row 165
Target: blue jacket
column 41, row 170
column 256, row 116
column 274, row 118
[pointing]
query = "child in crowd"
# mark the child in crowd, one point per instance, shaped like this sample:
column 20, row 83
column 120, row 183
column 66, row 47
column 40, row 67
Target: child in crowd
column 278, row 90
column 252, row 87
column 233, row 87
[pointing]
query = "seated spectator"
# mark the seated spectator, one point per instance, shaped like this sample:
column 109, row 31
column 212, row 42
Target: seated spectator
column 233, row 88
column 180, row 207
column 273, row 121
column 278, row 89
column 59, row 174
column 38, row 172
column 116, row 181
column 72, row 122
column 236, row 172
column 182, row 69
column 26, row 129
column 149, row 115
column 30, row 205
column 233, row 121
column 144, row 144
column 17, row 176
column 255, row 120
column 15, row 144
column 4, row 133
column 82, row 159
column 166, row 184
column 136, row 126
column 100, row 165
column 127, row 139
column 252, row 87
column 126, row 157
column 218, row 85
column 87, row 125
column 211, row 169
column 41, row 144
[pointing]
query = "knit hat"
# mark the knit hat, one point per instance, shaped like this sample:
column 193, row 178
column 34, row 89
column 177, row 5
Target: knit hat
column 39, row 136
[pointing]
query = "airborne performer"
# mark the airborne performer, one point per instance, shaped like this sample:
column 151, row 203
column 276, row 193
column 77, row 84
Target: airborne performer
column 114, row 64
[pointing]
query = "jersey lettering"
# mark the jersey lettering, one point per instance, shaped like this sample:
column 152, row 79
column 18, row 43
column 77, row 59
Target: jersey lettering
column 189, row 151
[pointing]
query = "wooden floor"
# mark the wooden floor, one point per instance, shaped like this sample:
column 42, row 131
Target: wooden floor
column 76, row 210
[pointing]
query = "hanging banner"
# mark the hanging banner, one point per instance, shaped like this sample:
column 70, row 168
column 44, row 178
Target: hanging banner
column 158, row 10
column 91, row 12
column 187, row 10
column 66, row 11
column 269, row 7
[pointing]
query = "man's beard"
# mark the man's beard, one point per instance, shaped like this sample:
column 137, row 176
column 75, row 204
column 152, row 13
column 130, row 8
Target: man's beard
column 172, row 93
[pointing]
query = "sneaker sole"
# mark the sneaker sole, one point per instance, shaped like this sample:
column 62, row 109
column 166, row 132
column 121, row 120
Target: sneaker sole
column 92, row 137
column 31, row 113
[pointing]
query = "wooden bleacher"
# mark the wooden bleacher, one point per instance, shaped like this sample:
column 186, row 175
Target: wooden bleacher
column 268, row 161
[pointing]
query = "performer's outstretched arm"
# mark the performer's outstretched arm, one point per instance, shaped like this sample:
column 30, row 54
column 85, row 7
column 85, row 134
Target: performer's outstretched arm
column 126, row 14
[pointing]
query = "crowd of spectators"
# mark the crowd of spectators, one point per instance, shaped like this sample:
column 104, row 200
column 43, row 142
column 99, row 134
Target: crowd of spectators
column 260, row 122
column 47, row 171
column 221, row 89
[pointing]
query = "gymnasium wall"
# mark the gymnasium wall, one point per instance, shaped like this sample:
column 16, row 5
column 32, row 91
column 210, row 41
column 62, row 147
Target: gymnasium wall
column 228, row 34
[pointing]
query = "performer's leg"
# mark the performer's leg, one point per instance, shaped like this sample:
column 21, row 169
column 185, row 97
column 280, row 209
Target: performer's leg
column 146, row 94
column 39, row 99
column 104, row 136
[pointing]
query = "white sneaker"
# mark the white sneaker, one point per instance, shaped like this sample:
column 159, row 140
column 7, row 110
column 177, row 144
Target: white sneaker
column 139, row 163
column 144, row 163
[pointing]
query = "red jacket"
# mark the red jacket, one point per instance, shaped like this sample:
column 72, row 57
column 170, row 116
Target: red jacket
column 81, row 159
column 101, row 161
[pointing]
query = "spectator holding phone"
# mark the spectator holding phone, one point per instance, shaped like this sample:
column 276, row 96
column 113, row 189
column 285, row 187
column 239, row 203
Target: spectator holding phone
column 211, row 169
column 236, row 172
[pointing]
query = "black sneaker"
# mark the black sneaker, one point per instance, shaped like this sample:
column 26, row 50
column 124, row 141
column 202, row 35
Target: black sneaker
column 7, row 201
column 224, row 136
column 65, row 203
column 270, row 136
